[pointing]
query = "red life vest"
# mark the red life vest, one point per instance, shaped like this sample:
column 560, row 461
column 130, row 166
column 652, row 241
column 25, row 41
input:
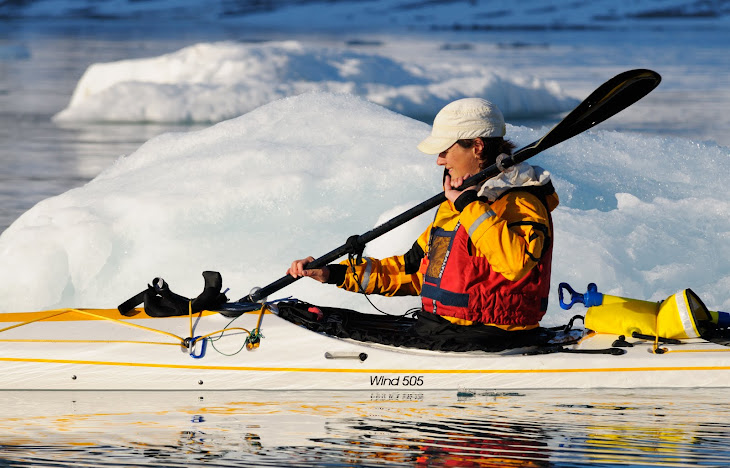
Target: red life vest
column 458, row 284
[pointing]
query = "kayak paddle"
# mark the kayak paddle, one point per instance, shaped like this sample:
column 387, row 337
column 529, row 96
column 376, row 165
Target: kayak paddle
column 609, row 99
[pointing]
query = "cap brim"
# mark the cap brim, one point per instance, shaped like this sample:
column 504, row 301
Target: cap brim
column 435, row 145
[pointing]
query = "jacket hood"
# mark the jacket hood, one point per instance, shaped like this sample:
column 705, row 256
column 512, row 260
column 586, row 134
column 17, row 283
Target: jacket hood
column 519, row 175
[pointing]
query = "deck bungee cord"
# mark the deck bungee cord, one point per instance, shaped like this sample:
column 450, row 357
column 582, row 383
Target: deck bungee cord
column 252, row 340
column 253, row 336
column 58, row 312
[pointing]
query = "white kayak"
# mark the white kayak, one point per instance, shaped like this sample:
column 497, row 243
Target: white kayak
column 93, row 349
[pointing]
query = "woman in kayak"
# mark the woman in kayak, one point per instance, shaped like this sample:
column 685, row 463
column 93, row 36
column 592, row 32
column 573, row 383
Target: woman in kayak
column 485, row 260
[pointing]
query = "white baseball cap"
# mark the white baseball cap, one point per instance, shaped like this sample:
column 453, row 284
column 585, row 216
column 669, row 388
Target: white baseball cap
column 463, row 119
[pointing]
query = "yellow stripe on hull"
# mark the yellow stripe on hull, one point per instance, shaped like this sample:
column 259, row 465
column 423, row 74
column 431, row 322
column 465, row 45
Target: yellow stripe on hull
column 372, row 371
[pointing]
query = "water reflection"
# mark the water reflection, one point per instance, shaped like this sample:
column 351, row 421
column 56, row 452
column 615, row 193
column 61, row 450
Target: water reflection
column 520, row 429
column 450, row 442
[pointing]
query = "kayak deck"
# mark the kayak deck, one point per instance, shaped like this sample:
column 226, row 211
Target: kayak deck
column 92, row 349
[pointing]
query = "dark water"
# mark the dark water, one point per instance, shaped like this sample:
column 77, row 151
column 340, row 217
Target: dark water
column 485, row 429
column 39, row 67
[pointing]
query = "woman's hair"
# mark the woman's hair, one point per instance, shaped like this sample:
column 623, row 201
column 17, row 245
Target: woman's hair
column 493, row 147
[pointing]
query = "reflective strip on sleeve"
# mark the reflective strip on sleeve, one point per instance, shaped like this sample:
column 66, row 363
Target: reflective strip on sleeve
column 366, row 273
column 480, row 220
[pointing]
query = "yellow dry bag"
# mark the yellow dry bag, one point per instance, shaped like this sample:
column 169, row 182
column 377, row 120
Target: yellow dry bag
column 623, row 316
column 682, row 315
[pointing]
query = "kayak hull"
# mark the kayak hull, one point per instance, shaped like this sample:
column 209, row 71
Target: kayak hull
column 106, row 351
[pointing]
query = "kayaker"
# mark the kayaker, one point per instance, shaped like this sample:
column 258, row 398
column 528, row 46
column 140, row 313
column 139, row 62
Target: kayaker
column 485, row 260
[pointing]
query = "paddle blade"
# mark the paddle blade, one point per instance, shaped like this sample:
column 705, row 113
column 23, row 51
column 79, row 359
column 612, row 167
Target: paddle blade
column 607, row 100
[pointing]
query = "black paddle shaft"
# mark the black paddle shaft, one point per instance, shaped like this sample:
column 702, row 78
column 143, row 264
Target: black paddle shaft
column 609, row 99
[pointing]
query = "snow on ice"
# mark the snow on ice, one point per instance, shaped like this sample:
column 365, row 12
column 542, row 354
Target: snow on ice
column 210, row 82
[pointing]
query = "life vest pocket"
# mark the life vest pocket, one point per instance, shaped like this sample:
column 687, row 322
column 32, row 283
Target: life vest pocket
column 438, row 252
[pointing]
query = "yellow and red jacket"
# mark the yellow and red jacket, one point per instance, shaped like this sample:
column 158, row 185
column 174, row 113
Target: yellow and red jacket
column 488, row 263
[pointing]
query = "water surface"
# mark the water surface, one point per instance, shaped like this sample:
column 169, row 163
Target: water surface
column 238, row 429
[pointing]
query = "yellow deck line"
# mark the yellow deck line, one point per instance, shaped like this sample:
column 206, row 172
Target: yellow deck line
column 712, row 350
column 70, row 316
column 28, row 340
column 368, row 371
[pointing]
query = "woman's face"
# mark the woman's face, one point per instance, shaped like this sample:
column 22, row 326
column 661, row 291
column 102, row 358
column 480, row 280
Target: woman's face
column 460, row 161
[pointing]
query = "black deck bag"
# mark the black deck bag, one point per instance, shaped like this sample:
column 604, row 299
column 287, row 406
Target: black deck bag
column 424, row 331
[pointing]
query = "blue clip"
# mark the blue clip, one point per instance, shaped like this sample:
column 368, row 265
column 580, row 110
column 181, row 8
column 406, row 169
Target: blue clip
column 591, row 297
column 202, row 348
